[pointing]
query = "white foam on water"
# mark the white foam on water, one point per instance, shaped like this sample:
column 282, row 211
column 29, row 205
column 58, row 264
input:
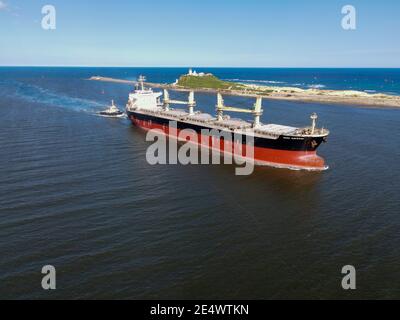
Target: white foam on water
column 316, row 86
column 36, row 94
column 257, row 81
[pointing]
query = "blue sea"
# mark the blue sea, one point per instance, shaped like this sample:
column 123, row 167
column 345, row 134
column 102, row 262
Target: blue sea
column 371, row 80
column 76, row 192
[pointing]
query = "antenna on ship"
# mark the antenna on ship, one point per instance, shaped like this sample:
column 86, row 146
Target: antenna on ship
column 313, row 118
column 257, row 112
column 141, row 80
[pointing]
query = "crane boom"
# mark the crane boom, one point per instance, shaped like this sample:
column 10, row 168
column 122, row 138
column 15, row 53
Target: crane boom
column 190, row 102
column 257, row 111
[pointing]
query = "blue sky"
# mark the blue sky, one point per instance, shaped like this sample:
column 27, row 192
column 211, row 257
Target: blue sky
column 251, row 33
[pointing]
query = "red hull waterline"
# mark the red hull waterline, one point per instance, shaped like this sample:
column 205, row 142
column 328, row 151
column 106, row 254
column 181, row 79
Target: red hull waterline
column 295, row 160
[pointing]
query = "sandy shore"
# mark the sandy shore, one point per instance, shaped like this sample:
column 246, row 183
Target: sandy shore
column 289, row 93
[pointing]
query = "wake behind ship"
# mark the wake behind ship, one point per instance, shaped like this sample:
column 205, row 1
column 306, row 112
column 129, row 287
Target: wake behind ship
column 274, row 145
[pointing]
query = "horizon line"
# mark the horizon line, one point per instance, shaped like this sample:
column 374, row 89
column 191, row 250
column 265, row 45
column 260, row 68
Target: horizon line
column 171, row 67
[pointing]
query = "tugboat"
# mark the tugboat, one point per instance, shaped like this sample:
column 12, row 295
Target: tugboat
column 112, row 111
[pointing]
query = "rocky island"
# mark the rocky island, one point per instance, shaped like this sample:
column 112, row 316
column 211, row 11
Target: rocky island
column 207, row 82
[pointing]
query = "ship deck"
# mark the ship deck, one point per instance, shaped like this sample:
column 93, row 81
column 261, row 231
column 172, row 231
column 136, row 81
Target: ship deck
column 272, row 131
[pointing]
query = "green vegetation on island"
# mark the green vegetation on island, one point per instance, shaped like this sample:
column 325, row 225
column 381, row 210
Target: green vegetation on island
column 208, row 81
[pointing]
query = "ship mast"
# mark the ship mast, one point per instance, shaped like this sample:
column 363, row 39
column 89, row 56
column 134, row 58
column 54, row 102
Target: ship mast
column 257, row 111
column 314, row 118
column 141, row 80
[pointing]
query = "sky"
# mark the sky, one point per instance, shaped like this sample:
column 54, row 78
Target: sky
column 219, row 33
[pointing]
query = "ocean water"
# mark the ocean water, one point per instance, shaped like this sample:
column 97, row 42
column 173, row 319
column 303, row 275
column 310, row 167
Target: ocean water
column 368, row 80
column 76, row 192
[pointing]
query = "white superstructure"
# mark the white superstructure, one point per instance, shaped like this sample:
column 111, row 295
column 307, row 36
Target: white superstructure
column 143, row 98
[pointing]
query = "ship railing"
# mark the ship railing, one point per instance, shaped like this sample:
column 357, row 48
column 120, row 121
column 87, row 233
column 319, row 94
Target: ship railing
column 309, row 132
column 265, row 133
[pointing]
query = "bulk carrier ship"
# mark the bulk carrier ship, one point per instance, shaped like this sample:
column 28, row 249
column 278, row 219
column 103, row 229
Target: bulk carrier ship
column 274, row 145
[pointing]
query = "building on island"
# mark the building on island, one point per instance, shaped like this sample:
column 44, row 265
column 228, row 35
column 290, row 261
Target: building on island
column 194, row 73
